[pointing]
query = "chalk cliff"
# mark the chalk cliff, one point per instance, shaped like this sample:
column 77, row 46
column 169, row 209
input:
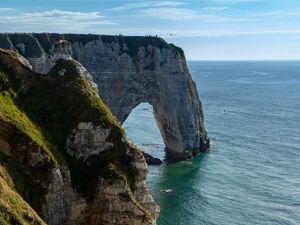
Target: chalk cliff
column 129, row 71
column 64, row 158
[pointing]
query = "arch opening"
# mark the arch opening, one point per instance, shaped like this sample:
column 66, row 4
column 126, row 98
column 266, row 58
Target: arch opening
column 142, row 131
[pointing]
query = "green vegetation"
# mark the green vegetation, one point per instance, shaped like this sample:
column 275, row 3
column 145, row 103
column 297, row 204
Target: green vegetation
column 59, row 103
column 22, row 179
column 23, row 134
column 19, row 119
column 46, row 108
column 13, row 209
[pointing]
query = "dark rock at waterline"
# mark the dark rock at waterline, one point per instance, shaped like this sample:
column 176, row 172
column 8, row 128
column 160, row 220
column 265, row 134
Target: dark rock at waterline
column 150, row 160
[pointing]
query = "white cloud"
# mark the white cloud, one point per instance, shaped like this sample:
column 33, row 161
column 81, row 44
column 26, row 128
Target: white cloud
column 174, row 14
column 216, row 8
column 63, row 16
column 141, row 5
column 240, row 33
column 175, row 11
column 183, row 14
column 234, row 1
column 283, row 13
column 55, row 19
column 6, row 9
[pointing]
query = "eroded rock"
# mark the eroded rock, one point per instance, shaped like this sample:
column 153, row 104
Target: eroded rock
column 133, row 70
column 87, row 141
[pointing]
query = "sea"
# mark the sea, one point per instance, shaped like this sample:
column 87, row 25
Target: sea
column 251, row 175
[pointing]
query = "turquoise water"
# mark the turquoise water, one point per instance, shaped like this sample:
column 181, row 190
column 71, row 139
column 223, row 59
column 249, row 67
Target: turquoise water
column 252, row 173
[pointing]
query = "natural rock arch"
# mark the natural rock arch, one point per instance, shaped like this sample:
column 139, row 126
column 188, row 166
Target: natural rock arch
column 158, row 76
column 141, row 129
column 129, row 71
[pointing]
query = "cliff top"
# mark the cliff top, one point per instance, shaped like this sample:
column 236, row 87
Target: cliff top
column 33, row 42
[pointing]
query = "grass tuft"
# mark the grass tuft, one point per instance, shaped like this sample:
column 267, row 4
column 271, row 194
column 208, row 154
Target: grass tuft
column 11, row 113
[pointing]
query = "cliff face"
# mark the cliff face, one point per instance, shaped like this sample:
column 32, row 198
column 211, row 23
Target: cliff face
column 129, row 71
column 63, row 156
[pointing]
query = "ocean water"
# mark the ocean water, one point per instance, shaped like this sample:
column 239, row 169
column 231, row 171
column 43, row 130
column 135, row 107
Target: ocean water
column 252, row 173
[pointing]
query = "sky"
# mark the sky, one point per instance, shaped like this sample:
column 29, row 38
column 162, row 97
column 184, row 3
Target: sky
column 205, row 29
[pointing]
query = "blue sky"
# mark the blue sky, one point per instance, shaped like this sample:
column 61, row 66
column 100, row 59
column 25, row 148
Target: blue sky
column 205, row 29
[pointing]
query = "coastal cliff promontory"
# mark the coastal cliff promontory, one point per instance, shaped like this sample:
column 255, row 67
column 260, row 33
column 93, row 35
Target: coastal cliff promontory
column 129, row 71
column 64, row 158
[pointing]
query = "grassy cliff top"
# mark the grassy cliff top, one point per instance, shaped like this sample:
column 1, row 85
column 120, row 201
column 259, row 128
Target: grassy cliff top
column 40, row 111
column 41, row 43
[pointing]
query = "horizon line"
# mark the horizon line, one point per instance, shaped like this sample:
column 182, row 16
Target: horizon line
column 245, row 60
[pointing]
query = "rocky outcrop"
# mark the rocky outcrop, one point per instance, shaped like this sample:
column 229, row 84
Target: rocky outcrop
column 129, row 71
column 152, row 160
column 88, row 141
column 59, row 141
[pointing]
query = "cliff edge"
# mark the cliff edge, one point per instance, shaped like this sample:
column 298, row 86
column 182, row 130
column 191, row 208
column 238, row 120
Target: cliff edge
column 64, row 158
